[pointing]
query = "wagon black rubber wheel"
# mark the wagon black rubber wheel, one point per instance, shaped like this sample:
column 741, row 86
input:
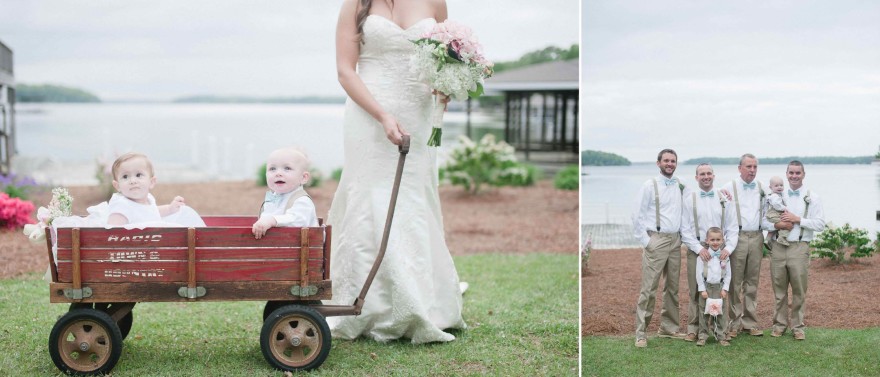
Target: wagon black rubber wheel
column 85, row 342
column 295, row 338
column 272, row 305
column 124, row 324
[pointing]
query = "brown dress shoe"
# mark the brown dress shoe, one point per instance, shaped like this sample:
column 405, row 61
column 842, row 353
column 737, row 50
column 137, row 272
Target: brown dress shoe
column 724, row 343
column 756, row 332
column 800, row 335
column 690, row 337
column 732, row 333
column 641, row 343
column 776, row 333
column 701, row 342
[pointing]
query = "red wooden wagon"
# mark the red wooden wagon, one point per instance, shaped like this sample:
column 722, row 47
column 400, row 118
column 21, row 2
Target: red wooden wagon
column 103, row 273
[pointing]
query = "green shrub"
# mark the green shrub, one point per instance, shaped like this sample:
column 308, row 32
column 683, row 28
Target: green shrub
column 336, row 175
column 842, row 244
column 567, row 178
column 261, row 176
column 532, row 175
column 17, row 186
column 316, row 178
column 474, row 165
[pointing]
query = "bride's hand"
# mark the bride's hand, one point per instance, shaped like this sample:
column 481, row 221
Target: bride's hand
column 393, row 130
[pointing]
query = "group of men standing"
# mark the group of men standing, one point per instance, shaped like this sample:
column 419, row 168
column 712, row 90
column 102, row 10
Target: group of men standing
column 670, row 214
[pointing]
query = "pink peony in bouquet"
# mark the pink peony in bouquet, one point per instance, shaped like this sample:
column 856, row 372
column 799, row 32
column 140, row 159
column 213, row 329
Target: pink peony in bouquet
column 450, row 60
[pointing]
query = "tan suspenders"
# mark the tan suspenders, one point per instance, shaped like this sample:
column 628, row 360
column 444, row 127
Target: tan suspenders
column 760, row 204
column 293, row 198
column 806, row 208
column 657, row 199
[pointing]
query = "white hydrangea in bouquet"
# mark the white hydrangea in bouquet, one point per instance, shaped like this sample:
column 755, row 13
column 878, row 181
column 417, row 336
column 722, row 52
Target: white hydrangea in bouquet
column 59, row 206
column 450, row 60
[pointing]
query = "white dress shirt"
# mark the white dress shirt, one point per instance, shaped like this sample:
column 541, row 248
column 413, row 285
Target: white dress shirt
column 301, row 214
column 709, row 215
column 750, row 203
column 645, row 219
column 715, row 273
column 811, row 223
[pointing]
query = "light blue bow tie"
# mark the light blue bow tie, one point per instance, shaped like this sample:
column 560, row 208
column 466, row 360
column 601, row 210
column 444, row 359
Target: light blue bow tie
column 272, row 197
column 749, row 186
column 794, row 192
column 716, row 254
column 670, row 181
column 710, row 194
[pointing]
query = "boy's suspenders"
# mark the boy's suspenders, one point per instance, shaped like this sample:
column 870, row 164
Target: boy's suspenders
column 293, row 198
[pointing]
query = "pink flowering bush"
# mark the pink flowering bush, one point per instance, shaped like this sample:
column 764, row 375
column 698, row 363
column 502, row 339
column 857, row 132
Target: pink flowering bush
column 15, row 212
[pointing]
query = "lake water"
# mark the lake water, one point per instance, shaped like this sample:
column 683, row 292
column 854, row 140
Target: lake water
column 60, row 143
column 851, row 193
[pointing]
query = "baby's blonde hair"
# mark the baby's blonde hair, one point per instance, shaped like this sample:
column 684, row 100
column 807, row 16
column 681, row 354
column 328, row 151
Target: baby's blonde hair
column 775, row 179
column 302, row 159
column 130, row 156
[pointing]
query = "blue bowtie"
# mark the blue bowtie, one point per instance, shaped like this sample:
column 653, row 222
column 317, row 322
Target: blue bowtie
column 794, row 192
column 716, row 254
column 710, row 194
column 670, row 181
column 272, row 197
column 749, row 186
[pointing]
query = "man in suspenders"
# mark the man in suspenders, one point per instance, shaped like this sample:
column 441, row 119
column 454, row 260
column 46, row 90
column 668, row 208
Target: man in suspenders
column 746, row 260
column 656, row 223
column 703, row 209
column 805, row 217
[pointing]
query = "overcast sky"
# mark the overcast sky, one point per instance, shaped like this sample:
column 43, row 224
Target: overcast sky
column 722, row 78
column 159, row 50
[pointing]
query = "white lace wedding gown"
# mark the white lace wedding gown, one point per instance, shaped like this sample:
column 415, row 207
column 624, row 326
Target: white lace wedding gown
column 415, row 293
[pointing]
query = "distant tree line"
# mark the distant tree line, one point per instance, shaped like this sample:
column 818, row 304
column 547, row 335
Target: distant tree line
column 52, row 93
column 598, row 158
column 818, row 160
column 229, row 99
column 547, row 54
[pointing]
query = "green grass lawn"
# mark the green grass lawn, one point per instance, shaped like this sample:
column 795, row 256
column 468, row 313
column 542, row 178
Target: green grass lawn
column 522, row 313
column 826, row 352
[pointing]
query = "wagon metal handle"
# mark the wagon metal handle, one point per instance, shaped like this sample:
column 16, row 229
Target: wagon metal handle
column 403, row 148
column 404, row 144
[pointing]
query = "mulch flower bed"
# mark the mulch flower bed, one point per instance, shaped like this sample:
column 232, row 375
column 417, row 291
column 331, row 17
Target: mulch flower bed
column 838, row 296
column 540, row 218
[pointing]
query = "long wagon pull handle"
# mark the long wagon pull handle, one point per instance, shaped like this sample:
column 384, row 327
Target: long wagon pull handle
column 403, row 148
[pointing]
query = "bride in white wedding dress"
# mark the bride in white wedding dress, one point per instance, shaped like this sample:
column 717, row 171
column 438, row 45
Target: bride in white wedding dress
column 416, row 292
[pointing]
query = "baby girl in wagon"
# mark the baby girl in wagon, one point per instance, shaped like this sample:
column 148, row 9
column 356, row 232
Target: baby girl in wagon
column 133, row 178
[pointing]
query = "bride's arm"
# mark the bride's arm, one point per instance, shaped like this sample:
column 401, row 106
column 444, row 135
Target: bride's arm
column 347, row 51
column 440, row 12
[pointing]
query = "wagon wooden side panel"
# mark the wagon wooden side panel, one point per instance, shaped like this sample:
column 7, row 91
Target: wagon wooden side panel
column 220, row 262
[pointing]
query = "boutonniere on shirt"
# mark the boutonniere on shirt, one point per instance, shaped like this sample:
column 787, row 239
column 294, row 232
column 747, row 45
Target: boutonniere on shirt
column 722, row 199
column 807, row 199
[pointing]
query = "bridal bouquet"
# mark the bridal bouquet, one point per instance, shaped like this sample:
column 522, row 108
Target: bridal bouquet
column 59, row 206
column 450, row 60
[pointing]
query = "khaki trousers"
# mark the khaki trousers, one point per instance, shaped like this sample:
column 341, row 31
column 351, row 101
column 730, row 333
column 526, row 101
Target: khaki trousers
column 662, row 256
column 718, row 325
column 788, row 267
column 745, row 264
column 694, row 313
